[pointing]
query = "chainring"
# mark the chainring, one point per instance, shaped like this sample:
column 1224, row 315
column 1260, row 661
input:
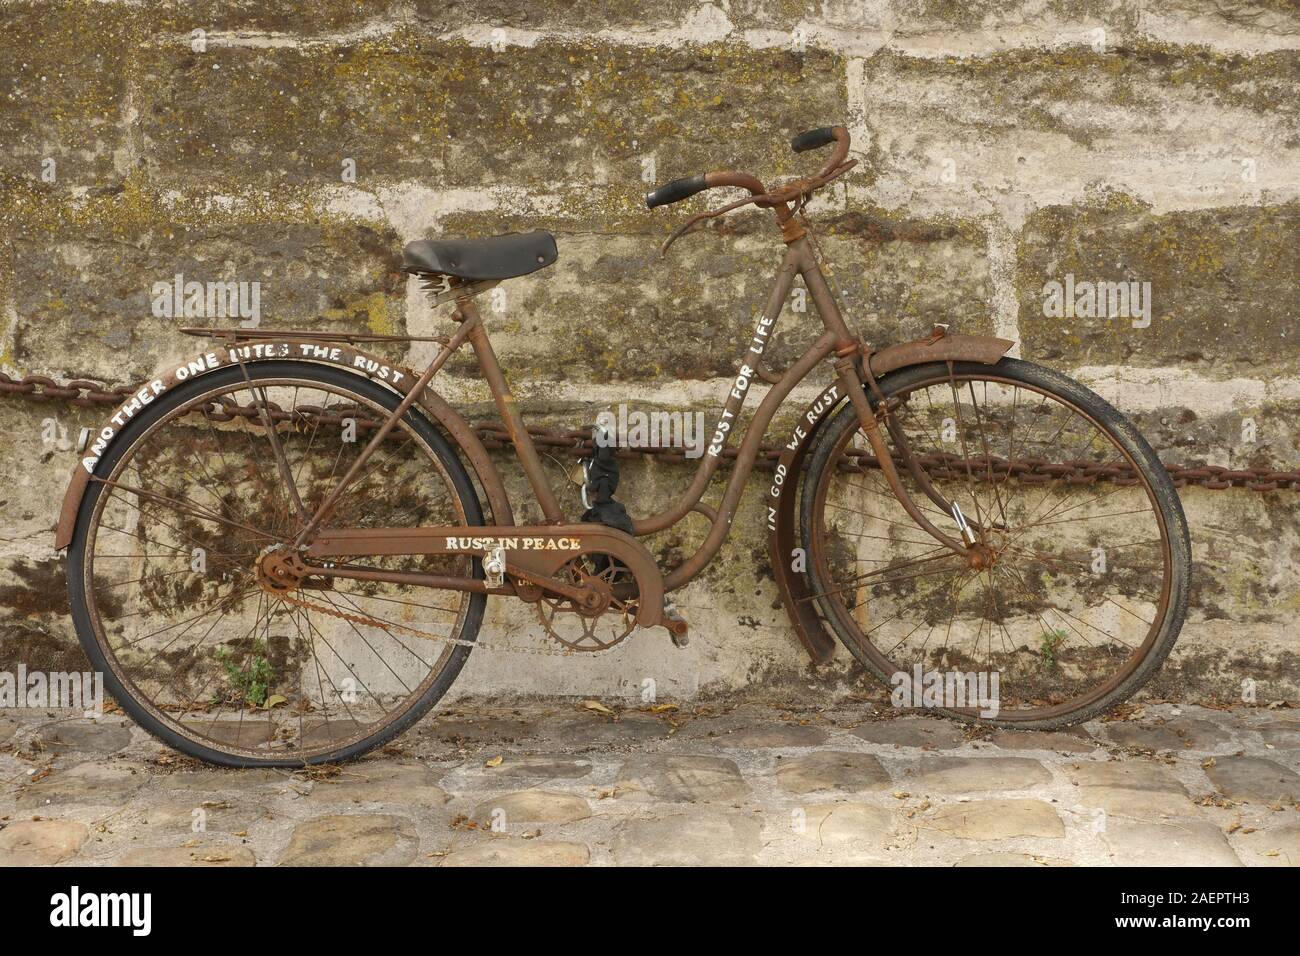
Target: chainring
column 581, row 629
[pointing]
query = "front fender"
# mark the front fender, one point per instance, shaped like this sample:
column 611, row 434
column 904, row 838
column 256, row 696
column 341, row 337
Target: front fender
column 944, row 348
column 783, row 540
column 353, row 360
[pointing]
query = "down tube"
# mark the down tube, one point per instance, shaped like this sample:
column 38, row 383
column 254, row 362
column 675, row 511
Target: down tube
column 731, row 410
column 745, row 456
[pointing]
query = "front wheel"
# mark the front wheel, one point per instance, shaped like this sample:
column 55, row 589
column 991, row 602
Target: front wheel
column 1081, row 583
column 163, row 569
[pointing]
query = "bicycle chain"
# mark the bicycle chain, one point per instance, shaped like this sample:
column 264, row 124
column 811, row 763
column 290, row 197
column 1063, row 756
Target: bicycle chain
column 390, row 626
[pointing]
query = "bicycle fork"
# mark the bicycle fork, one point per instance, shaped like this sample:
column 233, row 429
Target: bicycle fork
column 851, row 379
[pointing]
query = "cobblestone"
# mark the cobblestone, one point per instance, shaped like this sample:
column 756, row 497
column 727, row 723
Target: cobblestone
column 550, row 784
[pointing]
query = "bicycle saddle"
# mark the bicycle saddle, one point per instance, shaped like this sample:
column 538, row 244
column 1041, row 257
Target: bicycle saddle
column 496, row 257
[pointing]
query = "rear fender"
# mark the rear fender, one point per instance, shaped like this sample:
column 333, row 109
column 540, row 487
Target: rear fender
column 342, row 356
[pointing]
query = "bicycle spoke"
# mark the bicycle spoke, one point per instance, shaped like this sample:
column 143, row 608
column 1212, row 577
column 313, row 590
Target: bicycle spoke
column 197, row 504
column 1039, row 614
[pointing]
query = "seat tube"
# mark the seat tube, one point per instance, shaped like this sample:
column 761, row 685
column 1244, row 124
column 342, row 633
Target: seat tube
column 509, row 412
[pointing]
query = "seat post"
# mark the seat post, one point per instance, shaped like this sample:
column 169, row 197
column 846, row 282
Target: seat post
column 509, row 412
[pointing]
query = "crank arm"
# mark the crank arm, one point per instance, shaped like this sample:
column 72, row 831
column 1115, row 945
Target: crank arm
column 577, row 593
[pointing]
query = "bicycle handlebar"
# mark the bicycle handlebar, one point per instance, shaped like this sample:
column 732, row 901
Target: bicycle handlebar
column 680, row 189
column 676, row 191
column 813, row 139
column 824, row 136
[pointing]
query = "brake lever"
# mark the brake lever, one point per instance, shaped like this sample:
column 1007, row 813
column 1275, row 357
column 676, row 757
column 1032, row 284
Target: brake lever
column 700, row 217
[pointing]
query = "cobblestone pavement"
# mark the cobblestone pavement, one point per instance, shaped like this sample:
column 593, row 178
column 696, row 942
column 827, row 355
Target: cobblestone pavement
column 559, row 782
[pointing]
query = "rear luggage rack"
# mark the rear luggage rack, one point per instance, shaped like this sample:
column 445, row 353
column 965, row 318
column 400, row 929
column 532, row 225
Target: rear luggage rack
column 316, row 335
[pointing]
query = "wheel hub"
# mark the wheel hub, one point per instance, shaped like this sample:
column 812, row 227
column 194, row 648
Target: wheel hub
column 981, row 557
column 278, row 570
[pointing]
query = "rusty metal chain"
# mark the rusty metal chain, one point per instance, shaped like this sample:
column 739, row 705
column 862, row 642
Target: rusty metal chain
column 80, row 392
column 85, row 393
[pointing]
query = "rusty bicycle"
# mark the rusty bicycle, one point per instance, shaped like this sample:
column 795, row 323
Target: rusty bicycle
column 280, row 550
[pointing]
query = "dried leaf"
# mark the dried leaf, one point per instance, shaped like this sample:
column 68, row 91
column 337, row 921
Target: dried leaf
column 597, row 706
column 493, row 761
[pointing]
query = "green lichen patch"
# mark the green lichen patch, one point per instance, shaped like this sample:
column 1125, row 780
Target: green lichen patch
column 268, row 16
column 566, row 15
column 674, row 18
column 1222, row 285
column 85, row 275
column 411, row 106
column 63, row 88
column 33, row 210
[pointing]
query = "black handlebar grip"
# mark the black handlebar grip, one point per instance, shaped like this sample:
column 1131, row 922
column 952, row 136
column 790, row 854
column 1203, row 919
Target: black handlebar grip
column 675, row 191
column 813, row 139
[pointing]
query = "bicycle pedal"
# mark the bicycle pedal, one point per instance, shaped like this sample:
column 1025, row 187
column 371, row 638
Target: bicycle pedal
column 494, row 567
column 676, row 625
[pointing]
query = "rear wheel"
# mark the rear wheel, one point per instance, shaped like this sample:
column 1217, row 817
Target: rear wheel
column 1082, row 581
column 162, row 571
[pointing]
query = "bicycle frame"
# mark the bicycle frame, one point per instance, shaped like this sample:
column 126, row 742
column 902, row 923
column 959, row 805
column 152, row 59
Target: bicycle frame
column 537, row 552
column 280, row 544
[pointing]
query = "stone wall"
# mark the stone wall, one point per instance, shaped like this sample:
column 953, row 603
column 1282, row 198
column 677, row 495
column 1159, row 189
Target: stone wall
column 1002, row 145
